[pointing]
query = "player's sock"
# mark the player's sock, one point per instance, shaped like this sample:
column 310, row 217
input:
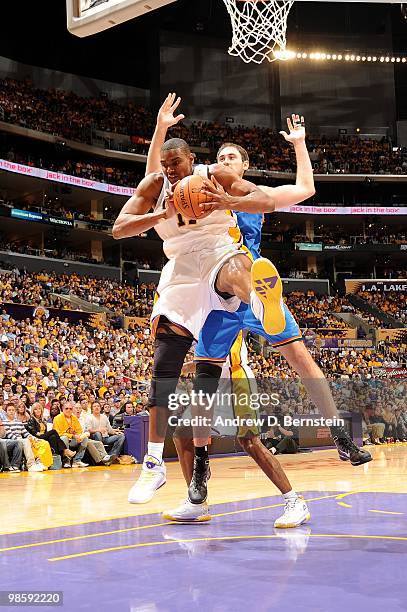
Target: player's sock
column 202, row 451
column 156, row 449
column 290, row 495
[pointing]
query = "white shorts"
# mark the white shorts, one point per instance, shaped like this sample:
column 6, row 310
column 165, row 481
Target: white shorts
column 186, row 291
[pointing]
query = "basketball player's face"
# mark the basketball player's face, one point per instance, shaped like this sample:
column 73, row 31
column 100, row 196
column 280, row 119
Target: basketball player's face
column 176, row 164
column 231, row 157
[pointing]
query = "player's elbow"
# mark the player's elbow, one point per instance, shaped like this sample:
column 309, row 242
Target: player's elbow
column 306, row 193
column 116, row 231
column 270, row 205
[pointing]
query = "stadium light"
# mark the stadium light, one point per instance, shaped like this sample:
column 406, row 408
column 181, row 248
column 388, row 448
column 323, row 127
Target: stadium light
column 337, row 57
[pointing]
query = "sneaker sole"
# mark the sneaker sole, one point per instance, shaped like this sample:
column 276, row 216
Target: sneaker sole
column 292, row 525
column 199, row 519
column 267, row 285
column 145, row 501
column 361, row 462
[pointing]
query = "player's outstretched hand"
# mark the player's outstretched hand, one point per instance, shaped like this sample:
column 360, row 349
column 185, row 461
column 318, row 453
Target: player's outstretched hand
column 296, row 129
column 220, row 200
column 165, row 117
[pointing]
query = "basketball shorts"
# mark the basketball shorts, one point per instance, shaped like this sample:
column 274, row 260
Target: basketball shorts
column 221, row 329
column 186, row 290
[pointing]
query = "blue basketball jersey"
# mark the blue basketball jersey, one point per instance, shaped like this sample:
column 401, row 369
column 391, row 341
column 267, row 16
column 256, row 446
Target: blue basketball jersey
column 250, row 225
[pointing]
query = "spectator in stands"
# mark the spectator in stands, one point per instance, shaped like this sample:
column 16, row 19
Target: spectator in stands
column 22, row 414
column 126, row 410
column 11, row 451
column 37, row 427
column 54, row 410
column 70, row 431
column 100, row 429
column 392, row 303
column 376, row 424
column 15, row 430
column 95, row 448
column 107, row 410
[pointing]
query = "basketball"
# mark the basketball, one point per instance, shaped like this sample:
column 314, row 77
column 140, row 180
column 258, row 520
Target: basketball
column 188, row 196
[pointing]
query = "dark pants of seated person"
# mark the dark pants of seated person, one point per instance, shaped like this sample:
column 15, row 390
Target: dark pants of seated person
column 401, row 431
column 55, row 442
column 79, row 447
column 4, row 462
column 14, row 450
column 286, row 446
column 390, row 431
column 114, row 443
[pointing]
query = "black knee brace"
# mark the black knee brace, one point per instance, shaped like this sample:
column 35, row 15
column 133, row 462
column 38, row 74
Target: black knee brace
column 170, row 350
column 207, row 377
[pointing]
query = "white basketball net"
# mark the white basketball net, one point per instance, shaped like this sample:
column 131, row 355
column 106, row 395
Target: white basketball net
column 258, row 28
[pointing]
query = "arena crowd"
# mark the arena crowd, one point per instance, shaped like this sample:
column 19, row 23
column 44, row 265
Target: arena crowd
column 73, row 117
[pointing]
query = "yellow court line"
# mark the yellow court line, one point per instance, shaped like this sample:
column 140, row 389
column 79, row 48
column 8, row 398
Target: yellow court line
column 82, row 537
column 90, row 521
column 345, row 505
column 342, row 495
column 222, row 538
column 104, row 533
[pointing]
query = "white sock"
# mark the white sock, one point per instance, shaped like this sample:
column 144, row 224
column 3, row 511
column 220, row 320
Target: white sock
column 155, row 449
column 290, row 495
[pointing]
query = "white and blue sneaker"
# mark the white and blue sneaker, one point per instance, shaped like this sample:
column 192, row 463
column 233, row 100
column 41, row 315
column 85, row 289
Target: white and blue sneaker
column 295, row 514
column 188, row 512
column 152, row 477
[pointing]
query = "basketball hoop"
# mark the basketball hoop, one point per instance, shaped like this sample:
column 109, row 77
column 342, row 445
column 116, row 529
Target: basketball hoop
column 259, row 28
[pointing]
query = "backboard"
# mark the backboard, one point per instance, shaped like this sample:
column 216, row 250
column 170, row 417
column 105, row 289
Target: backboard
column 86, row 17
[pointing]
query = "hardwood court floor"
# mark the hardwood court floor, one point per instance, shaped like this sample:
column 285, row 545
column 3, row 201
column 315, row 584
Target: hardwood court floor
column 72, row 497
column 74, row 532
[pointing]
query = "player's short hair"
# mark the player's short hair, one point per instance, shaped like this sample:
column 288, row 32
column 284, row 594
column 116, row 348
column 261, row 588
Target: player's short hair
column 176, row 143
column 242, row 151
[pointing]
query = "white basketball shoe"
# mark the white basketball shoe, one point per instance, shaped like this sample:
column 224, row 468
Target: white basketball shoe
column 152, row 477
column 188, row 512
column 295, row 513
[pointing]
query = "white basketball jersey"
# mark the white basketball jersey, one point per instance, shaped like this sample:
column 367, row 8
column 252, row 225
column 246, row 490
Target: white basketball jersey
column 181, row 235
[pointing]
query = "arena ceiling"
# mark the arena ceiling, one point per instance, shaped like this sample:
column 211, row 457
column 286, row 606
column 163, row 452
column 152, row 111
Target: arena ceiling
column 126, row 53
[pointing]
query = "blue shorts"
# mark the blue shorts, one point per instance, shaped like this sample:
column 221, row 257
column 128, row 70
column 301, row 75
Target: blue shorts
column 221, row 329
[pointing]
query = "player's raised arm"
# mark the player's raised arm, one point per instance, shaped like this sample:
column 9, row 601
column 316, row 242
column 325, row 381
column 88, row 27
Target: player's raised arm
column 135, row 218
column 304, row 188
column 165, row 120
column 278, row 197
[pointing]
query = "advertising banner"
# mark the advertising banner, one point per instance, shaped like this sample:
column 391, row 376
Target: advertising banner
column 375, row 285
